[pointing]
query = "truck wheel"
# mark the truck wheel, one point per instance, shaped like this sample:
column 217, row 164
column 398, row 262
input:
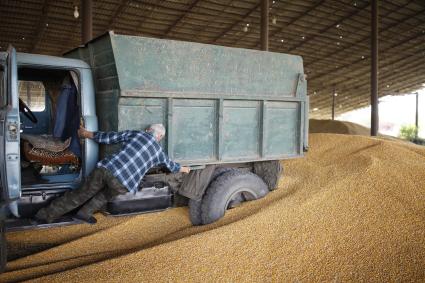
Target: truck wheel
column 195, row 205
column 3, row 247
column 220, row 171
column 228, row 191
column 270, row 172
column 195, row 212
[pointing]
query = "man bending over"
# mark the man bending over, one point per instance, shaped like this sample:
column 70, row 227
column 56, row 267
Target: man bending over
column 114, row 175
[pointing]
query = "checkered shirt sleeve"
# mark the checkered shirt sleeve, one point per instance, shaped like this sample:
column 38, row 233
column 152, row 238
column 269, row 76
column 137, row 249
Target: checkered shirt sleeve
column 113, row 137
column 174, row 167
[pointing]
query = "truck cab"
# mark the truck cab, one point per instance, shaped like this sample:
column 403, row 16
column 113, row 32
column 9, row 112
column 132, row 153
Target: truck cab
column 30, row 88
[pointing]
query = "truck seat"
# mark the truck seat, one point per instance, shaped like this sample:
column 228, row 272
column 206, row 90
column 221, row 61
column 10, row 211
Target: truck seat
column 67, row 118
column 47, row 157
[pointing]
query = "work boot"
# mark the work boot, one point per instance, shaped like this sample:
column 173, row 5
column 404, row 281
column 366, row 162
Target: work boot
column 41, row 217
column 85, row 218
column 37, row 220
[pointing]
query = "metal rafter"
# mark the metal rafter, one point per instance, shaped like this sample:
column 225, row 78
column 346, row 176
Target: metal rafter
column 143, row 19
column 352, row 14
column 388, row 75
column 355, row 87
column 116, row 13
column 398, row 44
column 176, row 22
column 198, row 32
column 246, row 15
column 312, row 8
column 381, row 31
column 407, row 63
column 41, row 25
column 351, row 102
column 403, row 65
column 326, row 63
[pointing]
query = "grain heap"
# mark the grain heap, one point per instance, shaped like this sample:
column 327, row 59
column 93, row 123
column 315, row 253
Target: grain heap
column 337, row 127
column 353, row 209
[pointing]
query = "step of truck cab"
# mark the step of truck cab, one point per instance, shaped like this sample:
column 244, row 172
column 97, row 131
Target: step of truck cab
column 148, row 199
column 18, row 224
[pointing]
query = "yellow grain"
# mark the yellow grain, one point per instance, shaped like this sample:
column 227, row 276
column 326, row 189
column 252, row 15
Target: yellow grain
column 337, row 127
column 352, row 210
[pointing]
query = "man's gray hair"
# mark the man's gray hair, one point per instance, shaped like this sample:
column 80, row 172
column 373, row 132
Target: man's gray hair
column 157, row 130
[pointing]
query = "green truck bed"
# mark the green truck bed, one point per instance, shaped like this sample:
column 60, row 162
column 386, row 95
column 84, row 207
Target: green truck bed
column 219, row 104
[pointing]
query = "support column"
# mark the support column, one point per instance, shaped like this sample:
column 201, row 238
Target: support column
column 87, row 21
column 374, row 127
column 417, row 115
column 265, row 25
column 333, row 104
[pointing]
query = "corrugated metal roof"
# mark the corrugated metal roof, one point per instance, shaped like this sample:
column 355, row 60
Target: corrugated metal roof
column 332, row 36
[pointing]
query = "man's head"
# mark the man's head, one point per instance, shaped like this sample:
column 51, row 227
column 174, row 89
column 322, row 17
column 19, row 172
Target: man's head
column 157, row 130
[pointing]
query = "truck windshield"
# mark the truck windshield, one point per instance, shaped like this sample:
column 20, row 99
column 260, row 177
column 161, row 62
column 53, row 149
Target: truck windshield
column 33, row 94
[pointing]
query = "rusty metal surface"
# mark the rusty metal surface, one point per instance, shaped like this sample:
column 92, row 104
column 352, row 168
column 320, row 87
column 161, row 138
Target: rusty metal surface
column 219, row 104
column 150, row 64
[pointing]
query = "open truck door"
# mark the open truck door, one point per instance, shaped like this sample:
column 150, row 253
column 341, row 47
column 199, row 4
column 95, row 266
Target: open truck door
column 9, row 131
column 10, row 169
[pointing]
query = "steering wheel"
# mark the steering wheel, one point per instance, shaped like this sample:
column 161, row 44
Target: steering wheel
column 27, row 111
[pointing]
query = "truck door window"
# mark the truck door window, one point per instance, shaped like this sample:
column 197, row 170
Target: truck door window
column 33, row 94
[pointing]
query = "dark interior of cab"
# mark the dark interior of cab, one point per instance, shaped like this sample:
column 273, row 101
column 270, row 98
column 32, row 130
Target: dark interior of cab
column 51, row 151
column 49, row 107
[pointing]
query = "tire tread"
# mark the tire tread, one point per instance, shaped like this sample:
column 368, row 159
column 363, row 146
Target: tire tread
column 220, row 186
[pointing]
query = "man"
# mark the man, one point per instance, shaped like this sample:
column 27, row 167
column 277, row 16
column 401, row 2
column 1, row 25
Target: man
column 114, row 175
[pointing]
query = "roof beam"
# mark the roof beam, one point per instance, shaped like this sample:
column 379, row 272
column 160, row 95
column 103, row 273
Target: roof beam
column 406, row 69
column 398, row 44
column 312, row 8
column 143, row 19
column 257, row 44
column 246, row 15
column 116, row 13
column 198, row 32
column 381, row 31
column 404, row 66
column 361, row 88
column 41, row 25
column 389, row 77
column 357, row 102
column 352, row 14
column 176, row 22
column 207, row 12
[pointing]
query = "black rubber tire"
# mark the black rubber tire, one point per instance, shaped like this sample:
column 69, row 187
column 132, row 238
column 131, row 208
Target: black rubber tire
column 218, row 195
column 220, row 171
column 195, row 212
column 195, row 205
column 3, row 247
column 270, row 172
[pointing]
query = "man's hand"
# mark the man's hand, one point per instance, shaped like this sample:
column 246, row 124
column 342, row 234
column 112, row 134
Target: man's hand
column 83, row 133
column 184, row 169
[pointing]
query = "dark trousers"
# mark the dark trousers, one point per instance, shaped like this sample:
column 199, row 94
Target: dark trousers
column 100, row 187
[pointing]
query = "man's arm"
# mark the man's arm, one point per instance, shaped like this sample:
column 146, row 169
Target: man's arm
column 105, row 137
column 174, row 167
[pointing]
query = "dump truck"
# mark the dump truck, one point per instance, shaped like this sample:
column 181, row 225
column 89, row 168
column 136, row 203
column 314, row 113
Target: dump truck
column 231, row 114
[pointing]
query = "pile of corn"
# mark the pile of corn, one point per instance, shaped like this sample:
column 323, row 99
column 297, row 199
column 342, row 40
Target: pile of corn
column 337, row 127
column 353, row 209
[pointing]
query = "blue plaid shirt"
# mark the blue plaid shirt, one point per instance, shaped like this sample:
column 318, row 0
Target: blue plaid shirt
column 139, row 153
